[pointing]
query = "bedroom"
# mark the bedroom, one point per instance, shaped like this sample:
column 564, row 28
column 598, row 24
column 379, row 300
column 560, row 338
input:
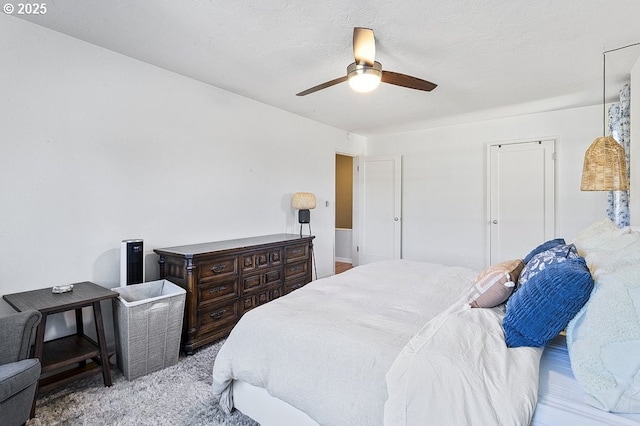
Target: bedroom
column 98, row 147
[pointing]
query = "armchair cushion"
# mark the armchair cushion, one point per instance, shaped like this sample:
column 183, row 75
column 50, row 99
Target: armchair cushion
column 17, row 376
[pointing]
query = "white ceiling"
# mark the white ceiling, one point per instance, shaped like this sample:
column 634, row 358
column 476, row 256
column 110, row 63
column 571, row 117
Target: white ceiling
column 490, row 58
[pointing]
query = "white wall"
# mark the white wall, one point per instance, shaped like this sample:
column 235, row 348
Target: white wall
column 97, row 147
column 444, row 181
column 344, row 245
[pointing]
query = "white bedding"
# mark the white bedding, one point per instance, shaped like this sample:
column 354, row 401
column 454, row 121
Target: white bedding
column 329, row 359
column 365, row 316
column 561, row 399
column 458, row 370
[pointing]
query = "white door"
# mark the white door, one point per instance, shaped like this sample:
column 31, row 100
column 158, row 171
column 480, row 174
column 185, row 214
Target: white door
column 521, row 198
column 379, row 209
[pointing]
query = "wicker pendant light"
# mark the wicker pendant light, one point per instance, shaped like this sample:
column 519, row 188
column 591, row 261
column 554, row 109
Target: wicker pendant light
column 605, row 164
column 605, row 167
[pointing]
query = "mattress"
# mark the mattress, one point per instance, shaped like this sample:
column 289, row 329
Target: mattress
column 561, row 399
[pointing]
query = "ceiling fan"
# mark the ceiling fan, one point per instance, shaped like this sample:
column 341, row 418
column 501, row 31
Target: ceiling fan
column 365, row 74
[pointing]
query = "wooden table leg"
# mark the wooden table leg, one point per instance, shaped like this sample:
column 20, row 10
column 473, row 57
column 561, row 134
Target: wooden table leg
column 37, row 353
column 79, row 322
column 102, row 343
column 80, row 330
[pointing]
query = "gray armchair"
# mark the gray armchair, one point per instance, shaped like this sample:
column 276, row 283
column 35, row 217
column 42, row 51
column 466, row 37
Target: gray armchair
column 19, row 374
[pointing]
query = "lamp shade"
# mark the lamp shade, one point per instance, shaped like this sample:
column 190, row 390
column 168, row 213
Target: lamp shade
column 303, row 201
column 605, row 166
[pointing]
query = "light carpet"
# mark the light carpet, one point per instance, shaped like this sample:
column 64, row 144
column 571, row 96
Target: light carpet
column 176, row 395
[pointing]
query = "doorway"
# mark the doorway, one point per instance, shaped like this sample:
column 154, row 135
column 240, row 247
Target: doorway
column 368, row 197
column 343, row 212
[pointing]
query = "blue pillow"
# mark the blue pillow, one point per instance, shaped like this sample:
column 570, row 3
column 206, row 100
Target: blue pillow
column 542, row 260
column 538, row 311
column 543, row 247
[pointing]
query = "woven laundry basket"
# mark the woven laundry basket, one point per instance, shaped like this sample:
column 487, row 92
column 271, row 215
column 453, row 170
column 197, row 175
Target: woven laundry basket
column 148, row 326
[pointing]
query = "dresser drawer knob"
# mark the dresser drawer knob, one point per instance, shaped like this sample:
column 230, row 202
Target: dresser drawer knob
column 218, row 314
column 217, row 269
column 217, row 289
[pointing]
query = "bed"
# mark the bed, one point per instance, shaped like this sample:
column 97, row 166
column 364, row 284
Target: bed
column 397, row 342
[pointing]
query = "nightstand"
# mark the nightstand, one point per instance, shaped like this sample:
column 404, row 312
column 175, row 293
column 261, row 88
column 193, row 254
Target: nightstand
column 56, row 356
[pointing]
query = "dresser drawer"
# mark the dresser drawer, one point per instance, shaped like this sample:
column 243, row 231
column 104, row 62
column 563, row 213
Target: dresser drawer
column 251, row 301
column 218, row 315
column 276, row 292
column 296, row 270
column 254, row 281
column 218, row 269
column 217, row 291
column 261, row 259
column 291, row 285
column 296, row 252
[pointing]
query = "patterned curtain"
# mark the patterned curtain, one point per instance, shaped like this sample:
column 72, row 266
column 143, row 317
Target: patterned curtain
column 620, row 129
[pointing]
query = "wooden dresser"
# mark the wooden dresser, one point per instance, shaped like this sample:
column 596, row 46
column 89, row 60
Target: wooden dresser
column 225, row 279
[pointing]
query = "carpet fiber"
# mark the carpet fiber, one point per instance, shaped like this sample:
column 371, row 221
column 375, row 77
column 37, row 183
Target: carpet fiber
column 177, row 395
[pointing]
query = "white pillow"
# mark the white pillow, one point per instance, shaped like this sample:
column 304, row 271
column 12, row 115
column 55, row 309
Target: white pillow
column 598, row 234
column 604, row 337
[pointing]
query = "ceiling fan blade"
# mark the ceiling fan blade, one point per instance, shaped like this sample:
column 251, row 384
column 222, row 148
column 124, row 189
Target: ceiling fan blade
column 323, row 86
column 364, row 46
column 407, row 81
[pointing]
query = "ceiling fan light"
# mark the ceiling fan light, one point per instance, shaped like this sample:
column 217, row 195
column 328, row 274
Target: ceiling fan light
column 364, row 78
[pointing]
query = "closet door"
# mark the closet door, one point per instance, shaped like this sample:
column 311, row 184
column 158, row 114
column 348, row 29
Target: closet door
column 379, row 208
column 521, row 207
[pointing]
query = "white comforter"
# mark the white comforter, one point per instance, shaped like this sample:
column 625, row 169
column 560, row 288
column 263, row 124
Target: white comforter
column 457, row 370
column 326, row 348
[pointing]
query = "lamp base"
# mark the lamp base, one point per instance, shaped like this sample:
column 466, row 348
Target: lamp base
column 301, row 228
column 304, row 216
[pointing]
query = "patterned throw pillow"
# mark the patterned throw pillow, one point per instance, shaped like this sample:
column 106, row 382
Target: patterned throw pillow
column 495, row 284
column 544, row 247
column 538, row 311
column 540, row 261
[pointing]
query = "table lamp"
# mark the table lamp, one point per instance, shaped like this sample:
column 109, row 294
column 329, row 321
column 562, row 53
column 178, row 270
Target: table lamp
column 304, row 201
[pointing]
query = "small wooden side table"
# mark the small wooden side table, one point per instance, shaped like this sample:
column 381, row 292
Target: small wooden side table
column 69, row 350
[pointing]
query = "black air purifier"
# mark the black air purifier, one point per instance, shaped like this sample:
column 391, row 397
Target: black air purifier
column 131, row 262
